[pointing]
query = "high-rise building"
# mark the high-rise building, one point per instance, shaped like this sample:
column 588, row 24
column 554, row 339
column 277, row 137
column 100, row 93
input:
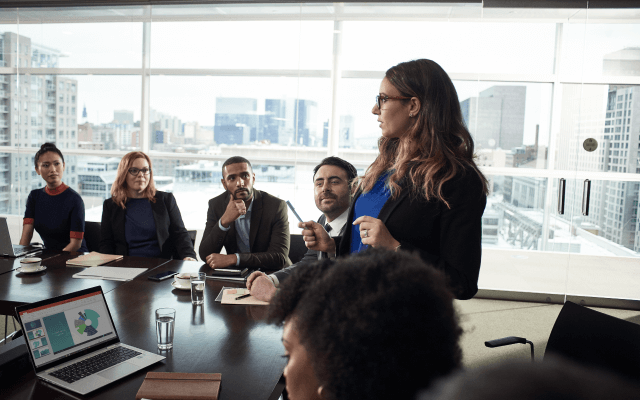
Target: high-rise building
column 346, row 138
column 496, row 117
column 236, row 120
column 33, row 110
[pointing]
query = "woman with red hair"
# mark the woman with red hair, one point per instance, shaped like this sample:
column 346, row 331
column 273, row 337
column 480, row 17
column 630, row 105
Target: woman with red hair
column 139, row 220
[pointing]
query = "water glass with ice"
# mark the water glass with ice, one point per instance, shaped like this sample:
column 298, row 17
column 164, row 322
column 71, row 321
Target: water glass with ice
column 165, row 321
column 197, row 287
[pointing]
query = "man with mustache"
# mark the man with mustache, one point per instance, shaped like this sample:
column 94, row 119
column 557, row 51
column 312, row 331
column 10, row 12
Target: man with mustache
column 332, row 180
column 250, row 224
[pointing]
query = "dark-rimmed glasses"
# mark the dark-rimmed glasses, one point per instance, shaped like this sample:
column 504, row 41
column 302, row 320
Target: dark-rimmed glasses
column 380, row 98
column 136, row 171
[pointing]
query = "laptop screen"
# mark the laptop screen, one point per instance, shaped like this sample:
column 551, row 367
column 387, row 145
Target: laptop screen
column 63, row 328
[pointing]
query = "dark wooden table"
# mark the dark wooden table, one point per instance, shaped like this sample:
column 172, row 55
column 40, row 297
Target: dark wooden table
column 8, row 264
column 228, row 339
column 18, row 288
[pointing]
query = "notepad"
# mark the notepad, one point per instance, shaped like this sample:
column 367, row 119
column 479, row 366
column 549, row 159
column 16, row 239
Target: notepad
column 92, row 259
column 229, row 297
column 110, row 273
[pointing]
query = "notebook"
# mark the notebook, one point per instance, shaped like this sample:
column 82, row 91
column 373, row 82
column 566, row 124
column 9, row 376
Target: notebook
column 13, row 250
column 179, row 385
column 74, row 344
column 93, row 259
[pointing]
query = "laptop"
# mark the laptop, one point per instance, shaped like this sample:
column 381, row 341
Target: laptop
column 74, row 344
column 13, row 250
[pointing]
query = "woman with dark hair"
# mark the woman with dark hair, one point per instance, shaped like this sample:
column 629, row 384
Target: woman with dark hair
column 56, row 211
column 424, row 191
column 139, row 220
column 379, row 325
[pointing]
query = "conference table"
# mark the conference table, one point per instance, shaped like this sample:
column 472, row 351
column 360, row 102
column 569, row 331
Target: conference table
column 233, row 340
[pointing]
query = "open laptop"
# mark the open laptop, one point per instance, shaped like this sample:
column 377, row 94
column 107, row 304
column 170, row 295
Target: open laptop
column 73, row 343
column 13, row 250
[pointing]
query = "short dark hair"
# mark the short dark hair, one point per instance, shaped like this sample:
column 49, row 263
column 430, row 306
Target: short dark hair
column 376, row 325
column 351, row 171
column 45, row 148
column 555, row 378
column 235, row 160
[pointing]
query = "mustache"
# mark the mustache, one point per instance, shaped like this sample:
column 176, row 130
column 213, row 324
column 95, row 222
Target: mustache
column 241, row 190
column 328, row 196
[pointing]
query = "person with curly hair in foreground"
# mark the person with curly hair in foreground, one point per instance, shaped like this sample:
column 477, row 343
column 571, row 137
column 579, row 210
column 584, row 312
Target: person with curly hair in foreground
column 376, row 325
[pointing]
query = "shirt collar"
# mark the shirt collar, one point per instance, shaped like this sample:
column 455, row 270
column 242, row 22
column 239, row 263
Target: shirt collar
column 56, row 191
column 338, row 223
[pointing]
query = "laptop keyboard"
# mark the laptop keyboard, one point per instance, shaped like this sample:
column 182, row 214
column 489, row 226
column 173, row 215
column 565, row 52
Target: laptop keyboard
column 97, row 363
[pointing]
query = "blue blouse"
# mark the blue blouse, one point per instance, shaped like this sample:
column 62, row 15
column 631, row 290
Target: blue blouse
column 369, row 204
column 140, row 229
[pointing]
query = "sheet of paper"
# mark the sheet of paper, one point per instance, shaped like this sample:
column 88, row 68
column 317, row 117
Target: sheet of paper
column 110, row 273
column 229, row 297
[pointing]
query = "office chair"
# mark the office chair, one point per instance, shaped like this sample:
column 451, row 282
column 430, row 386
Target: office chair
column 192, row 236
column 297, row 248
column 591, row 337
column 92, row 235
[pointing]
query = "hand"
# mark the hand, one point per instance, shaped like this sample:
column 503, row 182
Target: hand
column 261, row 287
column 374, row 233
column 215, row 260
column 189, row 259
column 253, row 277
column 235, row 209
column 316, row 238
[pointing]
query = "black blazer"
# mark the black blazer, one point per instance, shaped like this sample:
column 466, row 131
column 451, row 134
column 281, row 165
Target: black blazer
column 173, row 238
column 268, row 236
column 309, row 256
column 448, row 239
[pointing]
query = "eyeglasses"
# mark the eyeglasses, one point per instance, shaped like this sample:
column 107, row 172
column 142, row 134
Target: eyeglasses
column 380, row 99
column 135, row 171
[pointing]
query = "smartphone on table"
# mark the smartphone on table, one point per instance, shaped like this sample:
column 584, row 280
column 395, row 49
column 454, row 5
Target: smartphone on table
column 162, row 276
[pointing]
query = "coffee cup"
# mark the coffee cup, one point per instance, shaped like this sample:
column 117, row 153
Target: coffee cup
column 183, row 279
column 30, row 264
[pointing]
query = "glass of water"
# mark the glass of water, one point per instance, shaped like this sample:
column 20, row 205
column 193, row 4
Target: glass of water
column 197, row 287
column 165, row 321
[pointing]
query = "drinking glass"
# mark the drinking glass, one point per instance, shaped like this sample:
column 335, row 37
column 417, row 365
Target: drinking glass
column 165, row 321
column 197, row 287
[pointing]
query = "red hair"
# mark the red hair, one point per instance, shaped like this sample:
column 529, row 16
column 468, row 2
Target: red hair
column 119, row 189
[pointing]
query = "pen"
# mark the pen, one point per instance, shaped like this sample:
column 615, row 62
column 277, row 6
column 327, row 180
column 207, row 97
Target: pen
column 244, row 296
column 294, row 211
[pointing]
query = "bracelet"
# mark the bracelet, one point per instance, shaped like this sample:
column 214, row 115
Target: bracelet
column 397, row 247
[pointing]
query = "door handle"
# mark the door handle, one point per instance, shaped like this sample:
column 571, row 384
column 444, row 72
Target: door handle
column 562, row 185
column 586, row 194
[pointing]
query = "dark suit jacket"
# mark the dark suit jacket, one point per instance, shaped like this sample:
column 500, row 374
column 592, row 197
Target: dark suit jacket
column 448, row 239
column 268, row 235
column 173, row 238
column 309, row 256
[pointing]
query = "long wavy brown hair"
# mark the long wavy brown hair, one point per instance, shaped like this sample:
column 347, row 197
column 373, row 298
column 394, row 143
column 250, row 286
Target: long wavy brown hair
column 119, row 189
column 437, row 147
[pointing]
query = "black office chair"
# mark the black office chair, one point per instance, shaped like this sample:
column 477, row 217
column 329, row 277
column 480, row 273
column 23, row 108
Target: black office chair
column 591, row 337
column 297, row 248
column 92, row 235
column 192, row 236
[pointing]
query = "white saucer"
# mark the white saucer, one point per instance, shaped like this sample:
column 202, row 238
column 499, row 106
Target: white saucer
column 22, row 271
column 175, row 285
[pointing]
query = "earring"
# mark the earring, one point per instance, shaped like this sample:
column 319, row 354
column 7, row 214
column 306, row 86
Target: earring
column 410, row 115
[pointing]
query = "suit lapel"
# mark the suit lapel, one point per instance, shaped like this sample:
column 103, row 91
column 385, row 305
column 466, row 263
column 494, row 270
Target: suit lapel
column 256, row 217
column 390, row 205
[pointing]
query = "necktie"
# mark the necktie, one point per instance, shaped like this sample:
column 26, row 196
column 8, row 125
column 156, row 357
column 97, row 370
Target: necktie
column 327, row 228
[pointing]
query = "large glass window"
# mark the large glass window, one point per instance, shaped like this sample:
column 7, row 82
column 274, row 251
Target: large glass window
column 286, row 85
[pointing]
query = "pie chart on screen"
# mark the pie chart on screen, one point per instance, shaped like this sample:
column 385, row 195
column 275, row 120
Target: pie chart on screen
column 87, row 322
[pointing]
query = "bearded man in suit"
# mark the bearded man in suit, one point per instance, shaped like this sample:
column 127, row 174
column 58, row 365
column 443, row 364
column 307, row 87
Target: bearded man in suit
column 252, row 225
column 332, row 180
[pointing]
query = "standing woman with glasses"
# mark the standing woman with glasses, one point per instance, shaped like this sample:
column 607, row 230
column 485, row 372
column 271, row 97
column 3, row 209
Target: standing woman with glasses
column 424, row 192
column 139, row 220
column 56, row 211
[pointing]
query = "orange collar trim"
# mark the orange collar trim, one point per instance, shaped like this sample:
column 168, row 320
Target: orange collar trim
column 56, row 191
